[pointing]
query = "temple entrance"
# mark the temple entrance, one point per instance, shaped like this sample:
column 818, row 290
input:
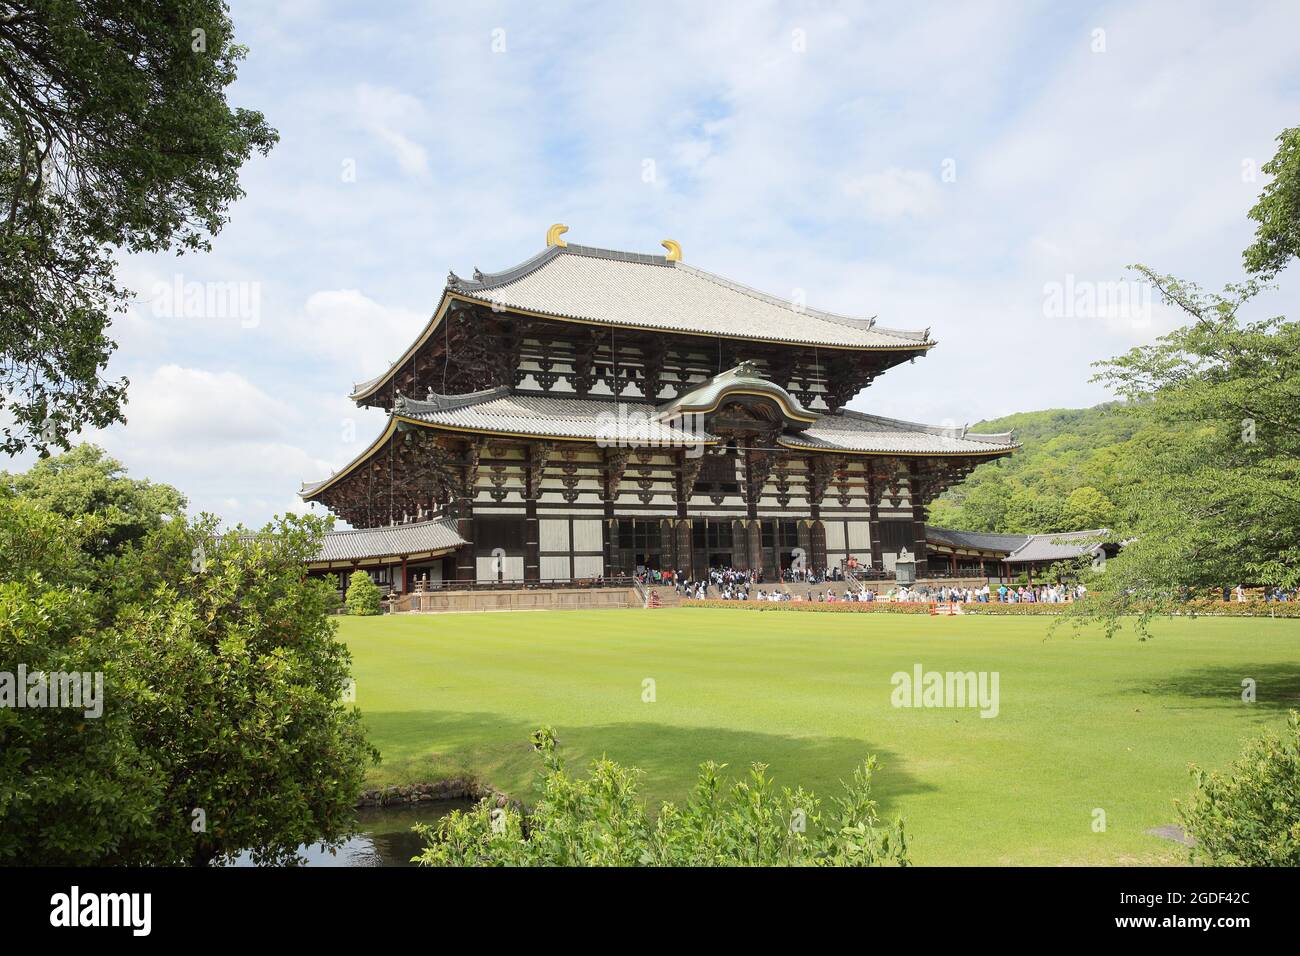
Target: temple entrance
column 780, row 539
column 639, row 544
column 711, row 542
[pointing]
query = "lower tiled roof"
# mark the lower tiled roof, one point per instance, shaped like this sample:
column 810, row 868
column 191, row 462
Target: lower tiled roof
column 975, row 540
column 858, row 432
column 416, row 538
column 1021, row 548
column 1061, row 546
column 545, row 415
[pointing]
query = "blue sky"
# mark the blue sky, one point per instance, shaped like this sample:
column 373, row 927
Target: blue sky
column 939, row 166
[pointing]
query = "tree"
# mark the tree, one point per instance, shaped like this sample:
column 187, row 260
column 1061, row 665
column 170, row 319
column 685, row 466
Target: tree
column 1277, row 238
column 224, row 724
column 363, row 597
column 243, row 692
column 1064, row 453
column 115, row 136
column 1250, row 815
column 1087, row 508
column 1212, row 481
column 86, row 481
column 73, row 789
column 599, row 821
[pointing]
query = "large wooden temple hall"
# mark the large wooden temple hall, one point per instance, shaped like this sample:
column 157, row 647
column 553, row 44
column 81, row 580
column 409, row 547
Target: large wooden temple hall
column 591, row 412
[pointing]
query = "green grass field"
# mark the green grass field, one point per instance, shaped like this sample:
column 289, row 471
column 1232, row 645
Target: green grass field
column 1084, row 722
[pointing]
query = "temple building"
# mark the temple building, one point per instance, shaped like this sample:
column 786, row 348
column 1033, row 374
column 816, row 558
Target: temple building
column 591, row 412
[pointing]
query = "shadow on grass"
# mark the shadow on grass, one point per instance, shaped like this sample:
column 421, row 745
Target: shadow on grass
column 430, row 745
column 1277, row 686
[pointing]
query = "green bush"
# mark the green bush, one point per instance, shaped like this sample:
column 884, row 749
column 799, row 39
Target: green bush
column 221, row 720
column 1250, row 815
column 363, row 594
column 600, row 821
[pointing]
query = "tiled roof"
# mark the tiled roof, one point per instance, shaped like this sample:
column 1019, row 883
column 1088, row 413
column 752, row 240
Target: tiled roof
column 653, row 292
column 858, row 432
column 630, row 424
column 394, row 541
column 977, row 540
column 1059, row 547
column 498, row 412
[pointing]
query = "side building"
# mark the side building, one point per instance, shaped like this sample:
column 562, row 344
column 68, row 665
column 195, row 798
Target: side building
column 592, row 412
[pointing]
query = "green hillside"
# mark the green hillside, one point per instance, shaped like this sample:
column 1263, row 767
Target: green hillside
column 1065, row 478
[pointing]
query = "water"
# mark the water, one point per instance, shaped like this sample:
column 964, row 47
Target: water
column 386, row 838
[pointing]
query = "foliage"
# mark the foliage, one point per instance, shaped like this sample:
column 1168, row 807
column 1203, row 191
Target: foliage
column 363, row 595
column 115, row 135
column 1250, row 815
column 223, row 688
column 1062, row 479
column 1211, row 494
column 599, row 821
column 1277, row 238
column 72, row 788
column 86, row 481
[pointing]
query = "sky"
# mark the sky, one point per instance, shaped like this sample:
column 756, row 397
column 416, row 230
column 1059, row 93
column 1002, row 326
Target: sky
column 984, row 170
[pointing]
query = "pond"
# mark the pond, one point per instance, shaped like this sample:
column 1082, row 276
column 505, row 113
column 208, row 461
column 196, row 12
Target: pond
column 386, row 838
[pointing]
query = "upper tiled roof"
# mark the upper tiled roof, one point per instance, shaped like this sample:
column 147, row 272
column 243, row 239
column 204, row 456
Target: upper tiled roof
column 857, row 432
column 654, row 292
column 394, row 541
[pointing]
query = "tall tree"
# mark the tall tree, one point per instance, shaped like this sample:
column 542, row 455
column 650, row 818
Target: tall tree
column 1213, row 484
column 115, row 136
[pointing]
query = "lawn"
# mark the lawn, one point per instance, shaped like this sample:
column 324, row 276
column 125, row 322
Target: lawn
column 1084, row 722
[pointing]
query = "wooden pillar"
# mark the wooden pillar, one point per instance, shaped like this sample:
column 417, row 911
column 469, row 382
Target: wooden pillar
column 739, row 544
column 466, row 556
column 916, row 492
column 754, row 549
column 686, row 560
column 873, row 522
column 607, row 539
column 532, row 550
column 406, row 582
column 818, row 557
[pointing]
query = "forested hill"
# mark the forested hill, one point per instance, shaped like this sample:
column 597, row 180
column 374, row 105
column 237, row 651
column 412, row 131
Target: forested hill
column 1064, row 478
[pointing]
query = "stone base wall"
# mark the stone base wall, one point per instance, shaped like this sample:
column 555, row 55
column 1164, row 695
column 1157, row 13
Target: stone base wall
column 530, row 600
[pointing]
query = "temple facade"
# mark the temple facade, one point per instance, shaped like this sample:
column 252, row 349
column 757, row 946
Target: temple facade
column 590, row 412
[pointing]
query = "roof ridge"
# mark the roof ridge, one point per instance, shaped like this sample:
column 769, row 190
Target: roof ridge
column 491, row 280
column 445, row 403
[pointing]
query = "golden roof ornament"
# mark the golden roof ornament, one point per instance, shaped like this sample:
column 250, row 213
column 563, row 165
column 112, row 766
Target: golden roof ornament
column 674, row 250
column 553, row 235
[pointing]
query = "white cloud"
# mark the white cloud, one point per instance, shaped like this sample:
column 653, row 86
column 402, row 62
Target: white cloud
column 382, row 110
column 816, row 170
column 894, row 193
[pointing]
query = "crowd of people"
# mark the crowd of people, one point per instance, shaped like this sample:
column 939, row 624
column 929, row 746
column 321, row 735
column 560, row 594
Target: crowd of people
column 731, row 584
